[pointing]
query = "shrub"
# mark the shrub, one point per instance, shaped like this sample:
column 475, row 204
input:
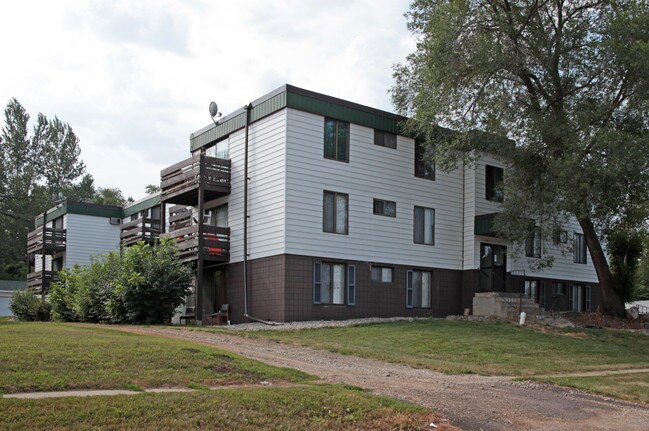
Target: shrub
column 141, row 284
column 25, row 305
column 154, row 283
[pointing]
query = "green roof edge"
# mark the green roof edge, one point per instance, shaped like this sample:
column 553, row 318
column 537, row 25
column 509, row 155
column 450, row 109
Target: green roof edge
column 288, row 96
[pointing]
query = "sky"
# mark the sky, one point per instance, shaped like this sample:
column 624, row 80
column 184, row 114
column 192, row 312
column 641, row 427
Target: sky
column 135, row 78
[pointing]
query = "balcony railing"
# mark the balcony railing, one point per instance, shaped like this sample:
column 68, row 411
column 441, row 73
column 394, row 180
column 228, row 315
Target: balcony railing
column 142, row 229
column 51, row 242
column 40, row 281
column 215, row 243
column 180, row 182
column 179, row 217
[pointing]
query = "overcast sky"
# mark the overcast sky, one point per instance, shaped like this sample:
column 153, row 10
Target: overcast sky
column 134, row 78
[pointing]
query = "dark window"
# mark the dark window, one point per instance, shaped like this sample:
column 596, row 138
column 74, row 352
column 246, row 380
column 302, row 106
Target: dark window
column 382, row 274
column 424, row 168
column 385, row 208
column 559, row 288
column 579, row 297
column 418, row 289
column 424, row 226
column 579, row 248
column 334, row 212
column 559, row 236
column 331, row 281
column 494, row 183
column 533, row 243
column 336, row 140
column 385, row 139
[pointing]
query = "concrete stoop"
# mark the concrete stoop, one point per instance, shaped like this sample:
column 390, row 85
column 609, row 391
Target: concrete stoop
column 493, row 304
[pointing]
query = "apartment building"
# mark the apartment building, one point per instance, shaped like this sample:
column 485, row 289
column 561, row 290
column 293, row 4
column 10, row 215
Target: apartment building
column 339, row 218
column 71, row 233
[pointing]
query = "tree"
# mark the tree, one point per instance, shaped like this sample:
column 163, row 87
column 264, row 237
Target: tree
column 151, row 189
column 109, row 196
column 31, row 169
column 565, row 81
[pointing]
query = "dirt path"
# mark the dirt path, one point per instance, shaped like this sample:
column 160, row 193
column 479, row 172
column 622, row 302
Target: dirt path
column 468, row 401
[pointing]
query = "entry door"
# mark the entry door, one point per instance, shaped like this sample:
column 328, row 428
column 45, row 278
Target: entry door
column 493, row 266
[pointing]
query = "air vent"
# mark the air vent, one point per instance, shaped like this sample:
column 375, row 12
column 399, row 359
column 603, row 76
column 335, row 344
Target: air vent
column 115, row 220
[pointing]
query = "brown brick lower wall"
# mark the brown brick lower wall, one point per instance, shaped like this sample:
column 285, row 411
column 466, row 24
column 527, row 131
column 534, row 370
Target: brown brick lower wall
column 280, row 289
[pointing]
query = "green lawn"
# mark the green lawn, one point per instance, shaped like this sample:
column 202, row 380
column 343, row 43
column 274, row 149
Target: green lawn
column 479, row 347
column 631, row 387
column 52, row 357
column 317, row 407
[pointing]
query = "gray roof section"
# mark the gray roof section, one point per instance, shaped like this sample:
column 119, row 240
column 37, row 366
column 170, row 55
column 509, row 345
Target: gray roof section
column 12, row 285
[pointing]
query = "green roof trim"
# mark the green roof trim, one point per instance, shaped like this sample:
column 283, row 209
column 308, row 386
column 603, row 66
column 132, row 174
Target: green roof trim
column 141, row 206
column 484, row 224
column 82, row 208
column 289, row 96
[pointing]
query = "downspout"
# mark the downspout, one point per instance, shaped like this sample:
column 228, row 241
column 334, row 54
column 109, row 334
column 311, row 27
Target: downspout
column 248, row 108
column 463, row 231
column 245, row 214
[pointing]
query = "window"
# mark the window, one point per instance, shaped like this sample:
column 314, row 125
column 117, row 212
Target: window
column 533, row 243
column 334, row 212
column 221, row 150
column 424, row 168
column 382, row 274
column 385, row 208
column 336, row 140
column 221, row 215
column 494, row 183
column 385, row 139
column 579, row 248
column 559, row 236
column 579, row 297
column 559, row 288
column 424, row 226
column 418, row 287
column 331, row 281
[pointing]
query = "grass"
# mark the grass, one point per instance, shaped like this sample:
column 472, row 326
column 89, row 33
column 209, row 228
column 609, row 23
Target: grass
column 630, row 387
column 315, row 407
column 48, row 356
column 54, row 357
column 479, row 347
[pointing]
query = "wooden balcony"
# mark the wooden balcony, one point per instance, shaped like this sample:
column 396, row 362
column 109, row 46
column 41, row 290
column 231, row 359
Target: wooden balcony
column 142, row 229
column 40, row 281
column 180, row 217
column 180, row 182
column 53, row 241
column 214, row 244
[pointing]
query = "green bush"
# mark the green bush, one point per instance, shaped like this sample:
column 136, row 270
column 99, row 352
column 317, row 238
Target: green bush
column 140, row 284
column 25, row 305
column 63, row 295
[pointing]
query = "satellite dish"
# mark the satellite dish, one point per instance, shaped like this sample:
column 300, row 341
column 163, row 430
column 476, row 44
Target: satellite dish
column 214, row 109
column 214, row 112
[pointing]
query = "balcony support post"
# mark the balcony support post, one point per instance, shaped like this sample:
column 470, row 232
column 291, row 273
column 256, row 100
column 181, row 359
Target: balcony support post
column 199, row 264
column 43, row 255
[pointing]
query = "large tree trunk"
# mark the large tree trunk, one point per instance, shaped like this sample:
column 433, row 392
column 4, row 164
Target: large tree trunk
column 611, row 302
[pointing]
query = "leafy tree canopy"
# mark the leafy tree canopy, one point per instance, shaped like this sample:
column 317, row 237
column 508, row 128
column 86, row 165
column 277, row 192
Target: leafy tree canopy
column 565, row 81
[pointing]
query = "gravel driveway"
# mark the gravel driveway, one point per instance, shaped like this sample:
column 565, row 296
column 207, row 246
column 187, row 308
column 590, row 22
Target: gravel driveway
column 468, row 401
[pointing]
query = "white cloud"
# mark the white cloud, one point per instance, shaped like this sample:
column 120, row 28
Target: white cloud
column 134, row 78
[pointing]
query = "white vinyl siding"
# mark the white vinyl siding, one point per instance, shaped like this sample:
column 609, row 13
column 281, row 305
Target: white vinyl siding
column 89, row 236
column 266, row 191
column 371, row 169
